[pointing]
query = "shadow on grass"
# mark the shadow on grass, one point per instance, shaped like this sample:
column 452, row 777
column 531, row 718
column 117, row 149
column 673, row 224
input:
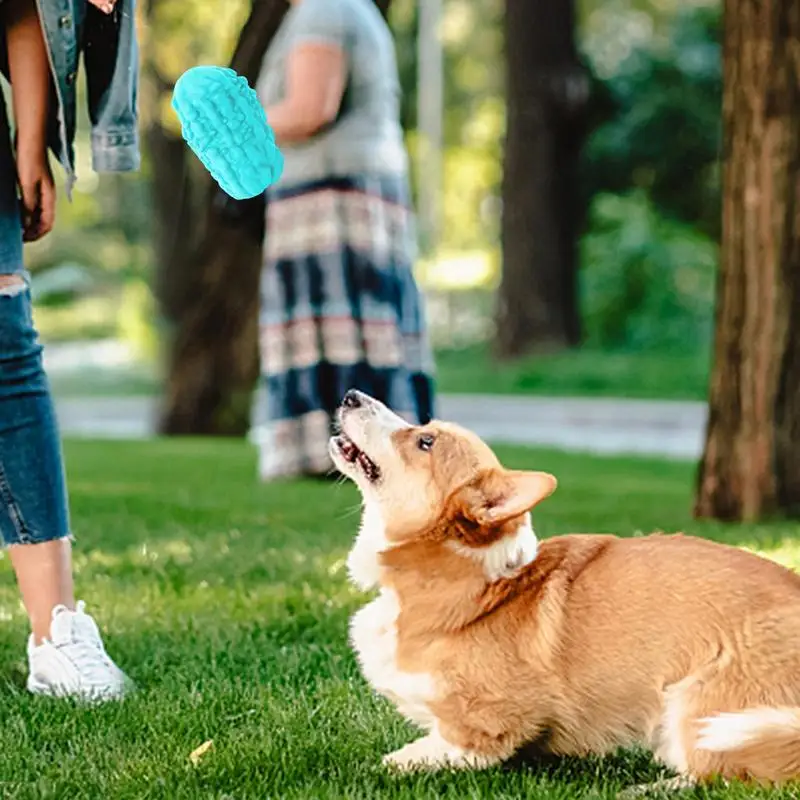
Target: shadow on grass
column 624, row 767
column 554, row 776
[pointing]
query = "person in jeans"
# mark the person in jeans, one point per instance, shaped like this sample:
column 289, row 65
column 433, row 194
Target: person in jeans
column 41, row 46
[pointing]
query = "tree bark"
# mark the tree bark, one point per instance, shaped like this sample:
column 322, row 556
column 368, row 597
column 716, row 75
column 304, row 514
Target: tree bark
column 209, row 261
column 751, row 465
column 547, row 93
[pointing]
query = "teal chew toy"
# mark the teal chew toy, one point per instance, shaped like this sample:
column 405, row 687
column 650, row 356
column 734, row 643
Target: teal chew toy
column 224, row 123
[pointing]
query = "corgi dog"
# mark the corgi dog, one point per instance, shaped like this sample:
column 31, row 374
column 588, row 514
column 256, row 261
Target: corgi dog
column 490, row 640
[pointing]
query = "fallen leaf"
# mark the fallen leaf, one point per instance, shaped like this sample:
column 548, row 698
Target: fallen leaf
column 199, row 752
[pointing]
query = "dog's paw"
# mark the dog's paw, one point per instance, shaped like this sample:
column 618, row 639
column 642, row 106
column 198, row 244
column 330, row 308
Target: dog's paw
column 413, row 757
column 397, row 762
column 431, row 753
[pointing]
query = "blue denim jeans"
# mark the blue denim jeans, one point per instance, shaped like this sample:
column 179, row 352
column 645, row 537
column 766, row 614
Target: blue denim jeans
column 33, row 501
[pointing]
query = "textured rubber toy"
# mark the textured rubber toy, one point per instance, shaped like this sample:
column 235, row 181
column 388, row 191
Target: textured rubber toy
column 223, row 121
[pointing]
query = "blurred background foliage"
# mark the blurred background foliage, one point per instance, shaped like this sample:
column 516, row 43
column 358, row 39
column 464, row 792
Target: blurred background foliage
column 650, row 173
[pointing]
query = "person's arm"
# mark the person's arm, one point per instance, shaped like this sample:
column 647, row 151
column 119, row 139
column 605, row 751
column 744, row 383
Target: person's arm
column 29, row 70
column 106, row 6
column 315, row 82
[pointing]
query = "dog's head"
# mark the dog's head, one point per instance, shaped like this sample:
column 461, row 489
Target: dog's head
column 418, row 477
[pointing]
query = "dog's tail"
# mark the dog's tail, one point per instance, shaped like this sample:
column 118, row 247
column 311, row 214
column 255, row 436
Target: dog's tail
column 764, row 742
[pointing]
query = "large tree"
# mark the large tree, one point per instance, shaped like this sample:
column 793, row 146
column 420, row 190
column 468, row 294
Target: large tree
column 208, row 258
column 751, row 464
column 208, row 261
column 547, row 93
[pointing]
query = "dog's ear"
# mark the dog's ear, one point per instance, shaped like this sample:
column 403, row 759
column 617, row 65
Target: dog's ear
column 498, row 496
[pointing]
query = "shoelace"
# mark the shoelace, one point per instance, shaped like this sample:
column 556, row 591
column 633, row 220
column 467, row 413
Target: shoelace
column 85, row 649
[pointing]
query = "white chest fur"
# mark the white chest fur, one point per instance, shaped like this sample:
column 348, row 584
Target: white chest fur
column 373, row 629
column 362, row 563
column 373, row 633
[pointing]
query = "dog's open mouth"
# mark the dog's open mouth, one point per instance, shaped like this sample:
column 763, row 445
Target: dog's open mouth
column 355, row 455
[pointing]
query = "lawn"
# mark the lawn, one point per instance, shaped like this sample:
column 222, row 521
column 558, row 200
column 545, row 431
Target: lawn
column 228, row 604
column 578, row 373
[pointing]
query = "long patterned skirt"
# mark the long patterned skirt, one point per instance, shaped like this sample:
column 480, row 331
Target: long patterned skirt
column 340, row 309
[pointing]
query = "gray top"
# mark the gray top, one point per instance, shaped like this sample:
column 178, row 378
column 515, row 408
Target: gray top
column 366, row 136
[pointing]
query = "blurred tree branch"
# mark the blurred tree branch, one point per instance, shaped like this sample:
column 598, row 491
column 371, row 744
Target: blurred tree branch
column 383, row 7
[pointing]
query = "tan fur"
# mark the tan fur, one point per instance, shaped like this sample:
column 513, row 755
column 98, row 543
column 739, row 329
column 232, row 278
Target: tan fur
column 598, row 642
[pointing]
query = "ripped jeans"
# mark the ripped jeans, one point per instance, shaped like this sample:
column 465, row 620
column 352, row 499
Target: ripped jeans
column 33, row 500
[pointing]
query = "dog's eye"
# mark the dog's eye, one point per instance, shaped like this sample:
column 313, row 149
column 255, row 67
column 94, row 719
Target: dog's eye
column 425, row 442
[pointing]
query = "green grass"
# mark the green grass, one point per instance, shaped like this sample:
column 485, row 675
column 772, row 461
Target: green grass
column 579, row 373
column 227, row 603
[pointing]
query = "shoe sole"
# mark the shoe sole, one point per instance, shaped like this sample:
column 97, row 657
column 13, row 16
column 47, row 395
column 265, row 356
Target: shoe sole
column 46, row 690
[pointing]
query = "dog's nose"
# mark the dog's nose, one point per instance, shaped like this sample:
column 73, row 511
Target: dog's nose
column 352, row 399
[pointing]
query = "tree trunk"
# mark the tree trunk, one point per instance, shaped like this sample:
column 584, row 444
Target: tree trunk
column 547, row 92
column 209, row 256
column 751, row 465
column 209, row 259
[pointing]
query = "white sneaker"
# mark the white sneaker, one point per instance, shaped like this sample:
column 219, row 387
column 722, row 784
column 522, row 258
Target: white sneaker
column 73, row 662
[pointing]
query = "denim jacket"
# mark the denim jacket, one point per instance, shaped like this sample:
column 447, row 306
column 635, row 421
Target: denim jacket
column 110, row 56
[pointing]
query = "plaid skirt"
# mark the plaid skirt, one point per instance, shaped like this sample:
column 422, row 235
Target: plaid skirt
column 340, row 309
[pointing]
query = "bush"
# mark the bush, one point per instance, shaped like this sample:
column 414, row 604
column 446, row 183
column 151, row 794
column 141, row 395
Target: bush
column 647, row 282
column 662, row 106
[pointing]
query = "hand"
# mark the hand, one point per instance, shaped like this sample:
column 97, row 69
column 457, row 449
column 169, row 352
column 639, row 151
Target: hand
column 38, row 192
column 106, row 6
